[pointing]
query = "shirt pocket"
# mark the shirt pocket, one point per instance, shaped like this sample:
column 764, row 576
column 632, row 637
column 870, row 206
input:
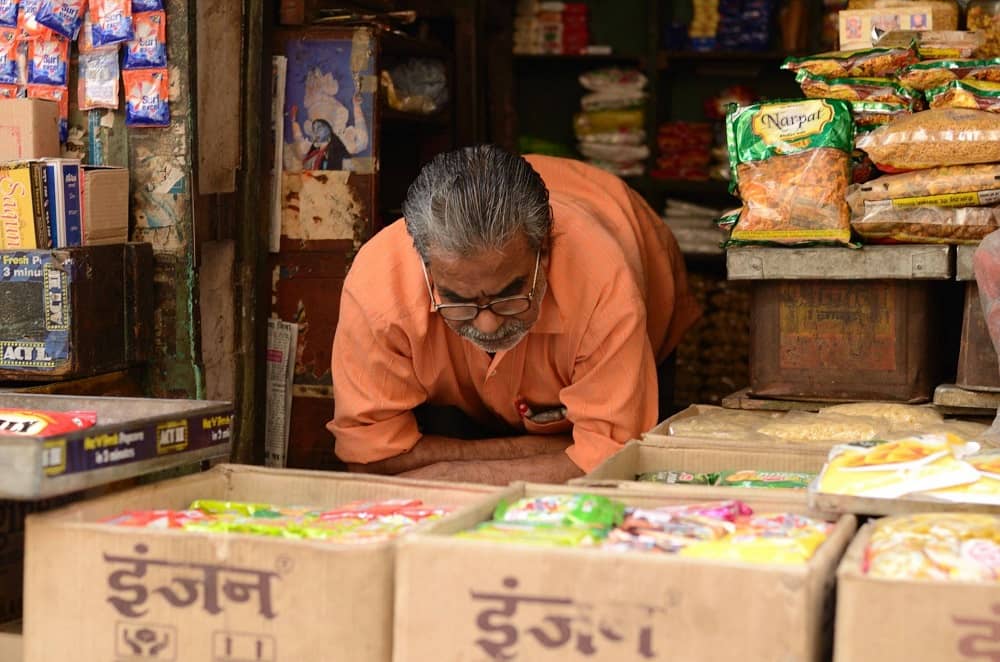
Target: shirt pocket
column 562, row 426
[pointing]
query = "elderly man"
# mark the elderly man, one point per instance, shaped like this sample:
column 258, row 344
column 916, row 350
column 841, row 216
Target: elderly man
column 511, row 328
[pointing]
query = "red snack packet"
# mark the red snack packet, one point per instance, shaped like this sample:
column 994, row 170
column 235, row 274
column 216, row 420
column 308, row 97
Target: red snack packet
column 38, row 423
column 157, row 519
column 370, row 509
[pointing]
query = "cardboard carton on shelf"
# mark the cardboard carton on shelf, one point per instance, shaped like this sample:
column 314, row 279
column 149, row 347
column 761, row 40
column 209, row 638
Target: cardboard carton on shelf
column 477, row 599
column 211, row 596
column 105, row 205
column 29, row 129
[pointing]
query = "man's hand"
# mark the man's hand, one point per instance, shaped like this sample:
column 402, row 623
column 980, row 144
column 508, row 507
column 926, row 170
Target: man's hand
column 547, row 468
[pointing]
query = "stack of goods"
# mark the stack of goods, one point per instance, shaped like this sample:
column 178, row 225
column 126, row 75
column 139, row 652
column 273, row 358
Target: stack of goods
column 716, row 109
column 745, row 25
column 713, row 359
column 43, row 204
column 941, row 162
column 939, row 467
column 610, row 130
column 35, row 42
column 357, row 522
column 727, row 530
column 938, row 547
column 685, row 151
column 704, row 25
column 550, row 28
column 739, row 478
column 858, row 422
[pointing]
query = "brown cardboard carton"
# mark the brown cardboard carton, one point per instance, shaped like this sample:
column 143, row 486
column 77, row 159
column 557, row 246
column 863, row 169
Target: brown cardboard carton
column 11, row 642
column 892, row 620
column 475, row 600
column 105, row 205
column 856, row 24
column 116, row 593
column 29, row 129
column 637, row 457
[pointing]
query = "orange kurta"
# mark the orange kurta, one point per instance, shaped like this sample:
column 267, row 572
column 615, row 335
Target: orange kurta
column 617, row 304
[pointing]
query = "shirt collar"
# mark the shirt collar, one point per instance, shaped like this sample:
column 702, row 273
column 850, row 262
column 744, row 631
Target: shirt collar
column 550, row 319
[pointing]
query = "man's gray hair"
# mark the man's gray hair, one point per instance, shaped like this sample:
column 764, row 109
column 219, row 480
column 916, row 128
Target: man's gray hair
column 475, row 199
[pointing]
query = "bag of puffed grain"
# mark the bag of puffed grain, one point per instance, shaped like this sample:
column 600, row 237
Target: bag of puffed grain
column 790, row 161
column 934, row 138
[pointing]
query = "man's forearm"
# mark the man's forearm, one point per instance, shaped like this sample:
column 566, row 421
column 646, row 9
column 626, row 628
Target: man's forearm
column 546, row 468
column 433, row 449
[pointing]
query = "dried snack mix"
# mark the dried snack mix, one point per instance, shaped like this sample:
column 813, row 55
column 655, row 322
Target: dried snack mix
column 935, row 138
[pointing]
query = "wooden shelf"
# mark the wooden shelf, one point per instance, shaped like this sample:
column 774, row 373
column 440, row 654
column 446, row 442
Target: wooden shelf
column 610, row 58
column 723, row 56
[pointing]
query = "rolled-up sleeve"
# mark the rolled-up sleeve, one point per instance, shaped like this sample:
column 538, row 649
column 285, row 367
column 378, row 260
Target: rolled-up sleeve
column 374, row 388
column 612, row 397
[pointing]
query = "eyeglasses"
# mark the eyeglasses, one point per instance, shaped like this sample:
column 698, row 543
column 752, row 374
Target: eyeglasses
column 465, row 312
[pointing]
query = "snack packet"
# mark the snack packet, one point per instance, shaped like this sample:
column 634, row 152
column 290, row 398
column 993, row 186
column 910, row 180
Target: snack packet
column 782, row 479
column 894, row 469
column 879, row 90
column 523, row 533
column 8, row 13
column 98, row 80
column 980, row 95
column 935, row 546
column 867, row 62
column 48, row 60
column 790, row 161
column 647, row 529
column 110, row 21
column 678, row 478
column 156, row 519
column 579, row 510
column 38, row 423
column 59, row 94
column 147, row 98
column 936, row 73
column 728, row 511
column 27, row 20
column 986, row 490
column 63, row 17
column 147, row 5
column 148, row 47
column 775, row 538
column 934, row 44
column 8, row 56
column 868, row 114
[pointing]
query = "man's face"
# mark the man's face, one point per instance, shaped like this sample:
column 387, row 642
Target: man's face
column 484, row 277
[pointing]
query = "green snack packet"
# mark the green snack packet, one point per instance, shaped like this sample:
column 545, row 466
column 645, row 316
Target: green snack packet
column 678, row 478
column 936, row 73
column 977, row 94
column 213, row 507
column 765, row 479
column 790, row 161
column 571, row 510
column 871, row 114
column 880, row 90
column 866, row 62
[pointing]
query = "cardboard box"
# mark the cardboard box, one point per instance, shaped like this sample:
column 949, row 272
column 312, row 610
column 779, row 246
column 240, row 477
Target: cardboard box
column 639, row 457
column 105, row 205
column 201, row 596
column 50, row 330
column 475, row 600
column 29, row 129
column 11, row 642
column 856, row 24
column 895, row 620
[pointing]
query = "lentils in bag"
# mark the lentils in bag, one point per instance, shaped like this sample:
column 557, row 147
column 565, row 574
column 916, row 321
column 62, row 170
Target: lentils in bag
column 791, row 163
column 934, row 138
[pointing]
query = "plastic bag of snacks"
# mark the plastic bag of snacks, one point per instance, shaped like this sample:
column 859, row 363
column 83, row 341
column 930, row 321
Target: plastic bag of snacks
column 36, row 423
column 883, row 90
column 955, row 204
column 936, row 73
column 934, row 44
column 871, row 114
column 765, row 479
column 790, row 161
column 783, row 538
column 864, row 63
column 935, row 546
column 980, row 95
column 935, row 138
column 586, row 510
